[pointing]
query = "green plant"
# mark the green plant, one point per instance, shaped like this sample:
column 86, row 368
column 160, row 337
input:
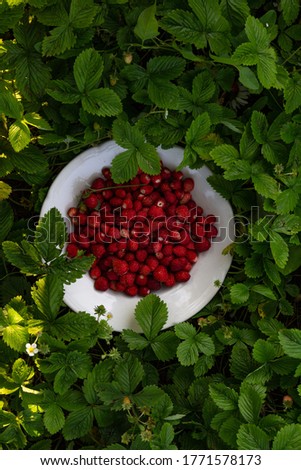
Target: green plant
column 222, row 79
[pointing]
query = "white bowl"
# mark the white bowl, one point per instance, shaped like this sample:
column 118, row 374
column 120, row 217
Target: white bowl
column 184, row 299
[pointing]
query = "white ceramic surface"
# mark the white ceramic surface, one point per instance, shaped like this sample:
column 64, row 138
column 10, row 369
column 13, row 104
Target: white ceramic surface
column 183, row 300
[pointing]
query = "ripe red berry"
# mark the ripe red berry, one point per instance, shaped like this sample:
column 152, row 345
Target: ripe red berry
column 182, row 276
column 72, row 212
column 182, row 212
column 101, row 283
column 179, row 251
column 155, row 211
column 133, row 266
column 98, row 183
column 95, row 272
column 141, row 280
column 132, row 291
column 98, row 250
column 120, row 267
column 188, row 185
column 143, row 291
column 177, row 264
column 72, row 250
column 91, row 201
column 141, row 255
column 160, row 274
column 171, row 280
column 204, row 245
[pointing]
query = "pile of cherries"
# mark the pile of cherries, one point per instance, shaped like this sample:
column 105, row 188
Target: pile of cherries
column 144, row 234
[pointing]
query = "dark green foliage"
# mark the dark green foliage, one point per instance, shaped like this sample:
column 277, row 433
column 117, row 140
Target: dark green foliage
column 222, row 79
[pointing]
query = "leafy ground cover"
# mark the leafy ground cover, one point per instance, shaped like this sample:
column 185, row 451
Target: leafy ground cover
column 222, row 79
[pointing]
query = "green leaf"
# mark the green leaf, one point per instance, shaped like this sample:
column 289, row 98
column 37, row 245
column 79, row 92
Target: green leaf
column 102, row 102
column 59, row 40
column 62, row 91
column 271, row 271
column 203, row 87
column 287, row 200
column 259, row 126
column 129, row 373
column 253, row 266
column 165, row 346
column 250, row 437
column 21, row 372
column 74, row 326
column 6, row 218
column 248, row 78
column 19, row 135
column 265, row 291
column 14, row 335
column 236, row 12
column 9, row 16
column 50, row 234
column 148, row 159
column 188, row 352
column 224, row 397
column 265, row 185
column 151, row 315
column 185, row 27
column 288, row 438
column 167, row 67
column 224, row 155
column 9, row 105
column 245, row 54
column 198, row 129
column 78, row 423
column 72, row 366
column 147, row 25
column 5, row 190
column 239, row 293
column 149, row 396
column 185, row 330
column 250, row 403
column 257, row 33
column 290, row 10
column 124, row 166
column 127, row 136
column 164, row 439
column 48, row 294
column 205, row 344
column 214, row 25
column 134, row 340
column 30, row 160
column 54, row 418
column 163, row 93
column 88, row 68
column 17, row 256
column 240, row 362
column 290, row 340
column 263, row 351
column 279, row 249
column 266, row 67
column 292, row 93
column 35, row 120
column 69, row 270
column 82, row 15
column 294, row 261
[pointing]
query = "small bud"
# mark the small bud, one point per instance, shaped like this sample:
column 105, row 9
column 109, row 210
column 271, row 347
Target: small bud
column 287, row 401
column 113, row 80
column 128, row 57
column 126, row 403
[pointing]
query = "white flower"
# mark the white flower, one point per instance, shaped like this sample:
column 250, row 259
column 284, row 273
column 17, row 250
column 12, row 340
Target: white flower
column 31, row 349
